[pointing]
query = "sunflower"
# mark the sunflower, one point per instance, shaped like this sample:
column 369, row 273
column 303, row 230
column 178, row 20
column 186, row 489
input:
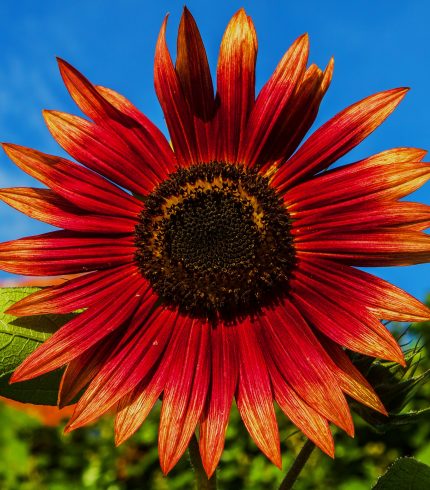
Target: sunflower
column 222, row 266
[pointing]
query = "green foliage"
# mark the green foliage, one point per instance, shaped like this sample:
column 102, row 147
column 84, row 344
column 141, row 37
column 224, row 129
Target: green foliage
column 19, row 337
column 396, row 386
column 405, row 474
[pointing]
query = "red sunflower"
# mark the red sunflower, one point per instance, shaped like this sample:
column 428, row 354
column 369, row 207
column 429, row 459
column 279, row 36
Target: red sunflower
column 222, row 268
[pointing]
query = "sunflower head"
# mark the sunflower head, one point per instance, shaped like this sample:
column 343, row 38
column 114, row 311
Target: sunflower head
column 214, row 240
column 224, row 265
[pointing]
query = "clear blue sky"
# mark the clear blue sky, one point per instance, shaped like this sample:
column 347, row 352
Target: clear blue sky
column 376, row 44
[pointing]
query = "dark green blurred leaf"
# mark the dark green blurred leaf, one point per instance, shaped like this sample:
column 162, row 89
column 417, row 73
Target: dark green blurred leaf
column 396, row 386
column 405, row 474
column 382, row 424
column 19, row 337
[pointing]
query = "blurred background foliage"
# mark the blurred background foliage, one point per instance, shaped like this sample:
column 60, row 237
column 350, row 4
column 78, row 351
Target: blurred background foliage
column 37, row 456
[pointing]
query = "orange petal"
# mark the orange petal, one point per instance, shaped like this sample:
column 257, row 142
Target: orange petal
column 224, row 375
column 254, row 394
column 80, row 333
column 336, row 137
column 84, row 188
column 133, row 408
column 374, row 249
column 81, row 370
column 304, row 364
column 235, row 84
column 44, row 205
column 344, row 321
column 184, row 394
column 141, row 345
column 308, row 420
column 274, row 101
column 351, row 380
column 297, row 120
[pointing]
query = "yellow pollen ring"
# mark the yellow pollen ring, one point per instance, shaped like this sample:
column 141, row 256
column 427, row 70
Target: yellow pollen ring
column 226, row 186
column 218, row 184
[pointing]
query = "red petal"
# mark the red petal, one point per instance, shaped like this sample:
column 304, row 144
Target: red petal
column 235, row 84
column 95, row 148
column 305, row 112
column 357, row 183
column 254, row 394
column 172, row 100
column 184, row 394
column 351, row 380
column 139, row 349
column 83, row 331
column 382, row 248
column 74, row 294
column 193, row 68
column 308, row 420
column 395, row 155
column 64, row 252
column 224, row 376
column 297, row 120
column 343, row 319
column 274, row 101
column 159, row 152
column 77, row 184
column 87, row 98
column 120, row 128
column 134, row 407
column 46, row 206
column 304, row 364
column 81, row 370
column 387, row 301
column 194, row 74
column 370, row 215
column 336, row 137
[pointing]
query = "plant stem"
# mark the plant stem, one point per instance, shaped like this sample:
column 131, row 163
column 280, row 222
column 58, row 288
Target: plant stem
column 297, row 466
column 203, row 483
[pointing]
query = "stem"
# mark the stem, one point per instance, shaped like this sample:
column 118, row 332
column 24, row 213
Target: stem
column 203, row 483
column 297, row 466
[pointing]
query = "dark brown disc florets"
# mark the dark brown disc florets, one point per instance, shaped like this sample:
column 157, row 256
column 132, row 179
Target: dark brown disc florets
column 215, row 240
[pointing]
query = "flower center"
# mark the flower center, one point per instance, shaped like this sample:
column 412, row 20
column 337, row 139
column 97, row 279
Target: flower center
column 215, row 240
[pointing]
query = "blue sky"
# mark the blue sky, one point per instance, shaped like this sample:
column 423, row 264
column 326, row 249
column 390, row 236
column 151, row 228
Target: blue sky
column 377, row 45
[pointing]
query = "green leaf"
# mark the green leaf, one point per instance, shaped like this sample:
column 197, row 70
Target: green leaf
column 382, row 424
column 405, row 474
column 19, row 337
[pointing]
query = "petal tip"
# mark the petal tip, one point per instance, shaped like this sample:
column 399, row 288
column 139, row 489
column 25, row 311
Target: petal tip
column 304, row 38
column 9, row 148
column 165, row 466
column 14, row 379
column 119, row 439
column 64, row 67
column 400, row 92
column 47, row 114
column 19, row 375
column 11, row 310
column 50, row 116
column 209, row 468
column 186, row 14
